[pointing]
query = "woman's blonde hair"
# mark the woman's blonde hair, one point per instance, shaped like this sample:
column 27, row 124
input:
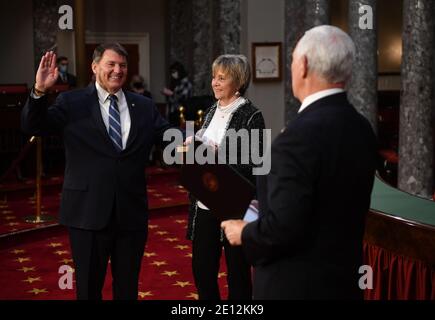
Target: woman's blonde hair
column 237, row 67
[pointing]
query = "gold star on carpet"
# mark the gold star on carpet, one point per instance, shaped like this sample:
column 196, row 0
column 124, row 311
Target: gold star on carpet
column 180, row 186
column 162, row 233
column 42, row 207
column 16, row 251
column 37, row 291
column 9, row 218
column 71, row 269
column 157, row 194
column 158, row 263
column 182, row 284
column 180, row 221
column 181, row 247
column 25, row 269
column 222, row 274
column 66, row 261
column 151, row 190
column 149, row 254
column 21, row 260
column 166, row 199
column 7, row 211
column 54, row 244
column 170, row 273
column 171, row 239
column 3, row 206
column 61, row 252
column 145, row 294
column 31, row 280
column 11, row 224
column 193, row 295
column 153, row 226
column 189, row 255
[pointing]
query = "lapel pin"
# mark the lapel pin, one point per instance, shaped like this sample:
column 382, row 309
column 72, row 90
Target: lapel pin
column 132, row 104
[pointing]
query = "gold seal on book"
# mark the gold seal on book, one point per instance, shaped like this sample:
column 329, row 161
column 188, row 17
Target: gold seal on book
column 210, row 181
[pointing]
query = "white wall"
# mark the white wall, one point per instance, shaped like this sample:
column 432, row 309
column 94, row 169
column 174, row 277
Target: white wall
column 134, row 16
column 16, row 40
column 263, row 21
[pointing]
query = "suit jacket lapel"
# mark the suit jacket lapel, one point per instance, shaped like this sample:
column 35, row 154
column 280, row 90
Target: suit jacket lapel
column 96, row 112
column 133, row 110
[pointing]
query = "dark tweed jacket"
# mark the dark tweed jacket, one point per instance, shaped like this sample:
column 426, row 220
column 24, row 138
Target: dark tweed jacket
column 246, row 116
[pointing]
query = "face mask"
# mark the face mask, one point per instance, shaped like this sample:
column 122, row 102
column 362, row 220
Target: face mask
column 138, row 85
column 175, row 74
column 63, row 68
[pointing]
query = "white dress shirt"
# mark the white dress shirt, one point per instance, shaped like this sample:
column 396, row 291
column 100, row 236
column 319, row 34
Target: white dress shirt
column 123, row 111
column 317, row 96
column 104, row 108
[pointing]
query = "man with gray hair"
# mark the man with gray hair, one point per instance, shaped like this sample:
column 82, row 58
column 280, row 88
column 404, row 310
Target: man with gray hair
column 307, row 243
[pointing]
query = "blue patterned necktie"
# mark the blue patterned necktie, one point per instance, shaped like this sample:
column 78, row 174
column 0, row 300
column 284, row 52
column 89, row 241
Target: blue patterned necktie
column 115, row 123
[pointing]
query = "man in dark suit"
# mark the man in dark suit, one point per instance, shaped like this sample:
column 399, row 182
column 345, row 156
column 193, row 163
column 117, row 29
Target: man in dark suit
column 108, row 134
column 64, row 76
column 307, row 243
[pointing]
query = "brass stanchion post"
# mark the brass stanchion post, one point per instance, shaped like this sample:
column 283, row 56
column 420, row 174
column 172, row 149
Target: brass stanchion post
column 39, row 217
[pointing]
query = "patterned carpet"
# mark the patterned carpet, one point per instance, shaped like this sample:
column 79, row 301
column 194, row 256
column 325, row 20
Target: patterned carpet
column 34, row 258
column 30, row 270
column 163, row 192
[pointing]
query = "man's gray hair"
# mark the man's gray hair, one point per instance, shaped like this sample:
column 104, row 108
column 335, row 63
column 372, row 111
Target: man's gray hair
column 329, row 51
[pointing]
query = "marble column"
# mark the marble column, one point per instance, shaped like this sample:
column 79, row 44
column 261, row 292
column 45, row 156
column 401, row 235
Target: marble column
column 180, row 33
column 316, row 13
column 294, row 28
column 415, row 134
column 202, row 22
column 362, row 90
column 227, row 27
column 45, row 27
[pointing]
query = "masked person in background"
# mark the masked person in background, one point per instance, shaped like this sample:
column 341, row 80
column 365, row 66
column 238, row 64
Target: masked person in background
column 64, row 76
column 180, row 89
column 138, row 86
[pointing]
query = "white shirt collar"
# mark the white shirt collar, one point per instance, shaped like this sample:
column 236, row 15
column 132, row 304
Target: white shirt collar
column 317, row 96
column 103, row 94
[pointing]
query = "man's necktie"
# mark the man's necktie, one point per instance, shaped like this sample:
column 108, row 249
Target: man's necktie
column 115, row 123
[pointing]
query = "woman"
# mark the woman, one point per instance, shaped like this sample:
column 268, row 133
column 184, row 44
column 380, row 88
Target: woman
column 180, row 89
column 231, row 76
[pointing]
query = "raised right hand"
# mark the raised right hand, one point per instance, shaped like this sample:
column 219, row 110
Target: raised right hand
column 47, row 73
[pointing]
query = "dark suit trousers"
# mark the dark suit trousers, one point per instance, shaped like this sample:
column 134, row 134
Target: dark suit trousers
column 206, row 254
column 91, row 251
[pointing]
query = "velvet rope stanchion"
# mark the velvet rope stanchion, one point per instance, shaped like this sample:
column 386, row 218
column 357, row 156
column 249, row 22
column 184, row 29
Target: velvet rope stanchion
column 39, row 217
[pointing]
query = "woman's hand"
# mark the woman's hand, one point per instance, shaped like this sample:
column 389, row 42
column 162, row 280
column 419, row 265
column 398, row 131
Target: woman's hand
column 167, row 92
column 188, row 141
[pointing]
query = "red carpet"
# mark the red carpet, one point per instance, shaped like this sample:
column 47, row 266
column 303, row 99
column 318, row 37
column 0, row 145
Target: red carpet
column 163, row 191
column 30, row 270
column 30, row 261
